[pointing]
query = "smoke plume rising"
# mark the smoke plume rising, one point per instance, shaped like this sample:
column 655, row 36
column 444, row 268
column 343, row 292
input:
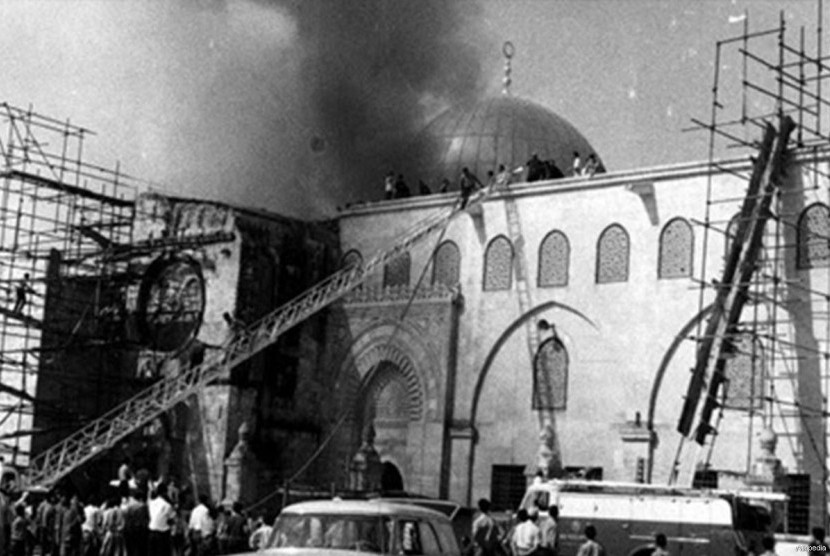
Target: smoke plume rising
column 294, row 106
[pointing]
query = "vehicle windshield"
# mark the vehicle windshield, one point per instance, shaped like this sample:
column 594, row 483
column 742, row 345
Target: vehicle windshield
column 757, row 515
column 362, row 533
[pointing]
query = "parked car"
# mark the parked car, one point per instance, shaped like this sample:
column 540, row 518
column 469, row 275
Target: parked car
column 460, row 516
column 344, row 527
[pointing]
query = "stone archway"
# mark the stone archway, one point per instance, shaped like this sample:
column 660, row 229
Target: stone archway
column 391, row 479
column 390, row 402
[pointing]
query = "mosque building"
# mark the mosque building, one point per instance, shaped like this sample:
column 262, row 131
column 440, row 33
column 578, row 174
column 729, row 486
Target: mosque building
column 551, row 326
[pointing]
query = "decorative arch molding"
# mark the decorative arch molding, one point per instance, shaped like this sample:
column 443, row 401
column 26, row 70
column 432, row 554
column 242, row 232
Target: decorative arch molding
column 376, row 376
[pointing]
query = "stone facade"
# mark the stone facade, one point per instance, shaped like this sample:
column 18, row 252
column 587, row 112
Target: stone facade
column 627, row 299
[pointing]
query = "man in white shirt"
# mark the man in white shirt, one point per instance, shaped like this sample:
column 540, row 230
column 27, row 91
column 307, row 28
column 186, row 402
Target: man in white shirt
column 259, row 538
column 162, row 515
column 201, row 526
column 526, row 536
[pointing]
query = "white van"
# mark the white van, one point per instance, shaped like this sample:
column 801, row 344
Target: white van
column 627, row 516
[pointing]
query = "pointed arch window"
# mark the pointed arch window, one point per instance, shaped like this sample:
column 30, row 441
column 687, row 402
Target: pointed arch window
column 612, row 255
column 554, row 258
column 550, row 375
column 396, row 272
column 676, row 249
column 498, row 264
column 446, row 268
column 814, row 236
column 745, row 374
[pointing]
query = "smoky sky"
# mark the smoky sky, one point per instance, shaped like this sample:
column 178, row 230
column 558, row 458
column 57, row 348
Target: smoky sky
column 375, row 71
column 292, row 106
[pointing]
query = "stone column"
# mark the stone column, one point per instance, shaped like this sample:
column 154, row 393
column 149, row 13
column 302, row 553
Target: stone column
column 241, row 470
column 767, row 472
column 365, row 470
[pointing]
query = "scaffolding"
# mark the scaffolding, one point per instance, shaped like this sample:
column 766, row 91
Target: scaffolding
column 784, row 328
column 60, row 218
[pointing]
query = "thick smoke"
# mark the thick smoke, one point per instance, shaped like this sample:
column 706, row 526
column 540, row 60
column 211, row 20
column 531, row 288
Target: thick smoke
column 375, row 71
column 293, row 106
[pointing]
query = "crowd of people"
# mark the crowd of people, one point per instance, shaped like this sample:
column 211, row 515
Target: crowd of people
column 135, row 517
column 535, row 169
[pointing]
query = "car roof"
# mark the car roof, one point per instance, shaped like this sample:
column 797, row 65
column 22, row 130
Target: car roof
column 362, row 507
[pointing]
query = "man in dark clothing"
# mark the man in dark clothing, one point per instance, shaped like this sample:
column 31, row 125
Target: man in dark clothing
column 45, row 520
column 237, row 530
column 136, row 524
column 423, row 188
column 469, row 183
column 818, row 539
column 401, row 189
column 486, row 533
column 21, row 290
column 69, row 517
column 552, row 170
column 535, row 168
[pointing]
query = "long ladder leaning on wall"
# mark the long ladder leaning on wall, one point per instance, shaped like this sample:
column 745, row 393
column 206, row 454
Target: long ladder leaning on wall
column 514, row 227
column 48, row 467
column 716, row 344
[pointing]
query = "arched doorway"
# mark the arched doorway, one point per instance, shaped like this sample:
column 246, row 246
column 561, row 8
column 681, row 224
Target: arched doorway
column 390, row 478
column 387, row 404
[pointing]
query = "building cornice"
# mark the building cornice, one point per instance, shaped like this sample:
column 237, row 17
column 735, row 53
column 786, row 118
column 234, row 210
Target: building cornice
column 622, row 178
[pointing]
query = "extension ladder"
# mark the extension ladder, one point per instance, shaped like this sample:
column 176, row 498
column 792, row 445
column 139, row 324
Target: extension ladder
column 48, row 467
column 732, row 292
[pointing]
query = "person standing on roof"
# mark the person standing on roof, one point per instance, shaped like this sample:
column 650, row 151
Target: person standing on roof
column 535, row 168
column 576, row 165
column 469, row 183
column 486, row 533
column 503, row 177
column 389, row 185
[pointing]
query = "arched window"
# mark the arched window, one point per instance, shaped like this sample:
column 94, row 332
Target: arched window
column 396, row 272
column 498, row 264
column 446, row 267
column 351, row 258
column 731, row 232
column 554, row 255
column 550, row 375
column 676, row 249
column 814, row 236
column 745, row 374
column 612, row 255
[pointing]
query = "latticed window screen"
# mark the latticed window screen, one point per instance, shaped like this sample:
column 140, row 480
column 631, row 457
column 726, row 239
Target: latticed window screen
column 498, row 264
column 447, row 264
column 814, row 236
column 352, row 258
column 396, row 272
column 612, row 255
column 550, row 375
column 554, row 255
column 745, row 373
column 676, row 249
